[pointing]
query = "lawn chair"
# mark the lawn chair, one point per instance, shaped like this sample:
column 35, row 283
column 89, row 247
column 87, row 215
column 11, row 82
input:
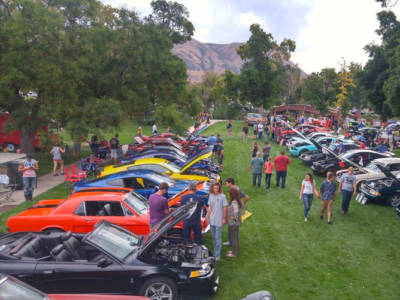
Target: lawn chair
column 69, row 181
column 77, row 175
column 6, row 189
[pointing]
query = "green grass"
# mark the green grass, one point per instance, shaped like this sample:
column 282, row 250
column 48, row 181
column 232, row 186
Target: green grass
column 355, row 258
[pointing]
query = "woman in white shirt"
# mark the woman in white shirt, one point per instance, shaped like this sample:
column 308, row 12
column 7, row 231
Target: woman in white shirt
column 306, row 193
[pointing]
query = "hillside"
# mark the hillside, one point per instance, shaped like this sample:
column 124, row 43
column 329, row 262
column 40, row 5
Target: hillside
column 206, row 57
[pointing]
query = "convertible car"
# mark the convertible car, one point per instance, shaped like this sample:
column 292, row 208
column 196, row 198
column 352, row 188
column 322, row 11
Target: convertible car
column 83, row 210
column 112, row 260
column 166, row 167
column 144, row 182
column 360, row 157
column 14, row 289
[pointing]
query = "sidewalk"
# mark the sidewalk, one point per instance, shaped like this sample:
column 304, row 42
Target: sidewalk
column 212, row 122
column 44, row 183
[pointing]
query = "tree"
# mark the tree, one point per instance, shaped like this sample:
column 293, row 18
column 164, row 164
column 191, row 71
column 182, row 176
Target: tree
column 345, row 82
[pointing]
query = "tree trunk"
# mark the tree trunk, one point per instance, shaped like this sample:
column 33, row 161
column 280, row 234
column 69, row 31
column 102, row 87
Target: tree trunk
column 77, row 149
column 27, row 140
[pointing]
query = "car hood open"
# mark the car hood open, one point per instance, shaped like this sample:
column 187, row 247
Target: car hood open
column 202, row 155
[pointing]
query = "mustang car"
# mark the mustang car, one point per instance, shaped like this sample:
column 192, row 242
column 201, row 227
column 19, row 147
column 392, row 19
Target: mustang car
column 144, row 182
column 112, row 260
column 168, row 168
column 83, row 210
column 360, row 157
column 307, row 146
column 14, row 289
column 309, row 158
column 373, row 170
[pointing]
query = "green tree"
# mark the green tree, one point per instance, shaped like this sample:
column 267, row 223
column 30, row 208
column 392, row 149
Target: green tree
column 346, row 83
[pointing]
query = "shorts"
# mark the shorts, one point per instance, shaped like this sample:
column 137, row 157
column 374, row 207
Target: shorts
column 114, row 153
column 57, row 160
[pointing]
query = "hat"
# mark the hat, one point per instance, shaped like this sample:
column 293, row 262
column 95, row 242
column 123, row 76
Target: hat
column 28, row 155
column 192, row 186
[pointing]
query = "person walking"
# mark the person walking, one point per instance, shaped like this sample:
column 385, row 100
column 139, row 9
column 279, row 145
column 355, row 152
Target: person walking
column 219, row 150
column 28, row 167
column 260, row 129
column 266, row 149
column 255, row 149
column 216, row 216
column 234, row 219
column 193, row 223
column 114, row 146
column 347, row 186
column 256, row 166
column 57, row 158
column 255, row 127
column 229, row 127
column 266, row 132
column 306, row 193
column 155, row 129
column 281, row 163
column 327, row 193
column 158, row 205
column 245, row 132
column 268, row 168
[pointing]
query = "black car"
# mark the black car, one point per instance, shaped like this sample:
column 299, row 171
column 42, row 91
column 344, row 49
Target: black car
column 112, row 260
column 360, row 157
column 384, row 191
column 310, row 157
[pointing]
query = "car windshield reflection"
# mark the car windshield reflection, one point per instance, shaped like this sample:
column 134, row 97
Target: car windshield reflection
column 115, row 241
column 161, row 178
column 137, row 202
column 12, row 289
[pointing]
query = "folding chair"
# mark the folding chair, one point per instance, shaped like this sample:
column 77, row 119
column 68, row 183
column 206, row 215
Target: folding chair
column 77, row 175
column 6, row 189
column 69, row 181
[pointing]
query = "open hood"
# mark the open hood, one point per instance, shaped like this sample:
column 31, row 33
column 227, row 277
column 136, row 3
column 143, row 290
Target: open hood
column 198, row 157
column 178, row 215
column 387, row 172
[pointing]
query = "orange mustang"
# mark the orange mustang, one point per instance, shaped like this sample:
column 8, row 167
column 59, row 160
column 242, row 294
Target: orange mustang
column 83, row 209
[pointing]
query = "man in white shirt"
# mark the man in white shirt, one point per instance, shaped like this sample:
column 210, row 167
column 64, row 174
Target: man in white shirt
column 155, row 129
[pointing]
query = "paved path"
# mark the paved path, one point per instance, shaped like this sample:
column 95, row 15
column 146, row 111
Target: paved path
column 44, row 183
column 191, row 128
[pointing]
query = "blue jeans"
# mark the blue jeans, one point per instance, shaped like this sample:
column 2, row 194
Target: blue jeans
column 259, row 135
column 279, row 175
column 29, row 185
column 268, row 180
column 265, row 157
column 216, row 232
column 307, row 201
column 187, row 228
column 257, row 177
column 346, row 197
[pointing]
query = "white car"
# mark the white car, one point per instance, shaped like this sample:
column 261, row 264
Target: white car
column 372, row 171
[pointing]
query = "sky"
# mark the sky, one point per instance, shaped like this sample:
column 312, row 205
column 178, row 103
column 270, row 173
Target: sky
column 325, row 31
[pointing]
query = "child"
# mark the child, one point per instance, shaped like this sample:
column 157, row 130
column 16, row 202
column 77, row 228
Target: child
column 268, row 168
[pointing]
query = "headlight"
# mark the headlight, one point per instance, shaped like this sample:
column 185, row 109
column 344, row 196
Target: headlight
column 205, row 269
column 307, row 157
column 373, row 192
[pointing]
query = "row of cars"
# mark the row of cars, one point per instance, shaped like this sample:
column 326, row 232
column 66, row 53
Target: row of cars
column 377, row 174
column 99, row 241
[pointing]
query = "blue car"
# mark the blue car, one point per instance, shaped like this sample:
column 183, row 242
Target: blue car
column 305, row 146
column 144, row 182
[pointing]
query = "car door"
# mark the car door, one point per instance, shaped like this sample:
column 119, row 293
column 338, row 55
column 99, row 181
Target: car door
column 92, row 212
column 80, row 277
column 22, row 269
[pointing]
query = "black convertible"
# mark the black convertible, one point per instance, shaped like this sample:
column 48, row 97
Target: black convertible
column 111, row 260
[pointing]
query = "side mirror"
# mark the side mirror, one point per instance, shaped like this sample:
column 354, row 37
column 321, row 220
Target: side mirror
column 104, row 263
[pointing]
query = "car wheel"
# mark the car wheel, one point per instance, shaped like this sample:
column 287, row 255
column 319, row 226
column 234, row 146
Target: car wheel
column 159, row 288
column 11, row 147
column 394, row 200
column 52, row 229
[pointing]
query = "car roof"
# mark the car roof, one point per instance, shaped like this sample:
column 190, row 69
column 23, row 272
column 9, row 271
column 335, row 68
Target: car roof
column 362, row 151
column 387, row 161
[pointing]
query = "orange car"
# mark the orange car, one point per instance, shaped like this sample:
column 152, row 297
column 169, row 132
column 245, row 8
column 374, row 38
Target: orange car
column 83, row 209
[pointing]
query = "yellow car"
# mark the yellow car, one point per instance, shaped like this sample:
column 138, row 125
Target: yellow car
column 166, row 167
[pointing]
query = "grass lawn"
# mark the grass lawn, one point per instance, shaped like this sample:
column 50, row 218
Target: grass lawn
column 356, row 257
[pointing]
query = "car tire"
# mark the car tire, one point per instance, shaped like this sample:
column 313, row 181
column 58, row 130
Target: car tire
column 158, row 286
column 11, row 147
column 394, row 200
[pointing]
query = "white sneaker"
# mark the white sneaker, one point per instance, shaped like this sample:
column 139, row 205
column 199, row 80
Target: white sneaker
column 226, row 243
column 305, row 219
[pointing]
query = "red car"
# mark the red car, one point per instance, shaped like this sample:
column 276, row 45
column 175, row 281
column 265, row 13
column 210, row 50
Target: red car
column 303, row 128
column 12, row 288
column 84, row 209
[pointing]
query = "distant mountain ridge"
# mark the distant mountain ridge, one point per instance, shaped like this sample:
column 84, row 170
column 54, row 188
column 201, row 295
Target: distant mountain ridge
column 207, row 57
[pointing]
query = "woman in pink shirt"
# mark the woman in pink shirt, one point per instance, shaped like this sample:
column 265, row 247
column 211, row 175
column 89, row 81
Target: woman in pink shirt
column 268, row 168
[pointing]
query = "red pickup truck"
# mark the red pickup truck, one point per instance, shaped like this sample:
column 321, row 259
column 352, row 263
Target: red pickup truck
column 12, row 139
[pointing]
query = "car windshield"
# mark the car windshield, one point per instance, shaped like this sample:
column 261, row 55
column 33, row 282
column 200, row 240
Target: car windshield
column 137, row 202
column 173, row 167
column 11, row 289
column 255, row 116
column 114, row 241
column 161, row 178
column 373, row 167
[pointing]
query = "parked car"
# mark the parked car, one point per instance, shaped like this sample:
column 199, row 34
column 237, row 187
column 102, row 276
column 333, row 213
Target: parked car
column 112, row 260
column 13, row 289
column 309, row 158
column 253, row 118
column 168, row 168
column 373, row 171
column 144, row 182
column 81, row 211
column 384, row 191
column 312, row 136
column 307, row 146
column 334, row 164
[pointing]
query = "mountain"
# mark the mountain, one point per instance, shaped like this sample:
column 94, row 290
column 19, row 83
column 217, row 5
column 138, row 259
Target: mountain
column 207, row 57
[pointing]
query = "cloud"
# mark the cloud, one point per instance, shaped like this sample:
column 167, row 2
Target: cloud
column 248, row 18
